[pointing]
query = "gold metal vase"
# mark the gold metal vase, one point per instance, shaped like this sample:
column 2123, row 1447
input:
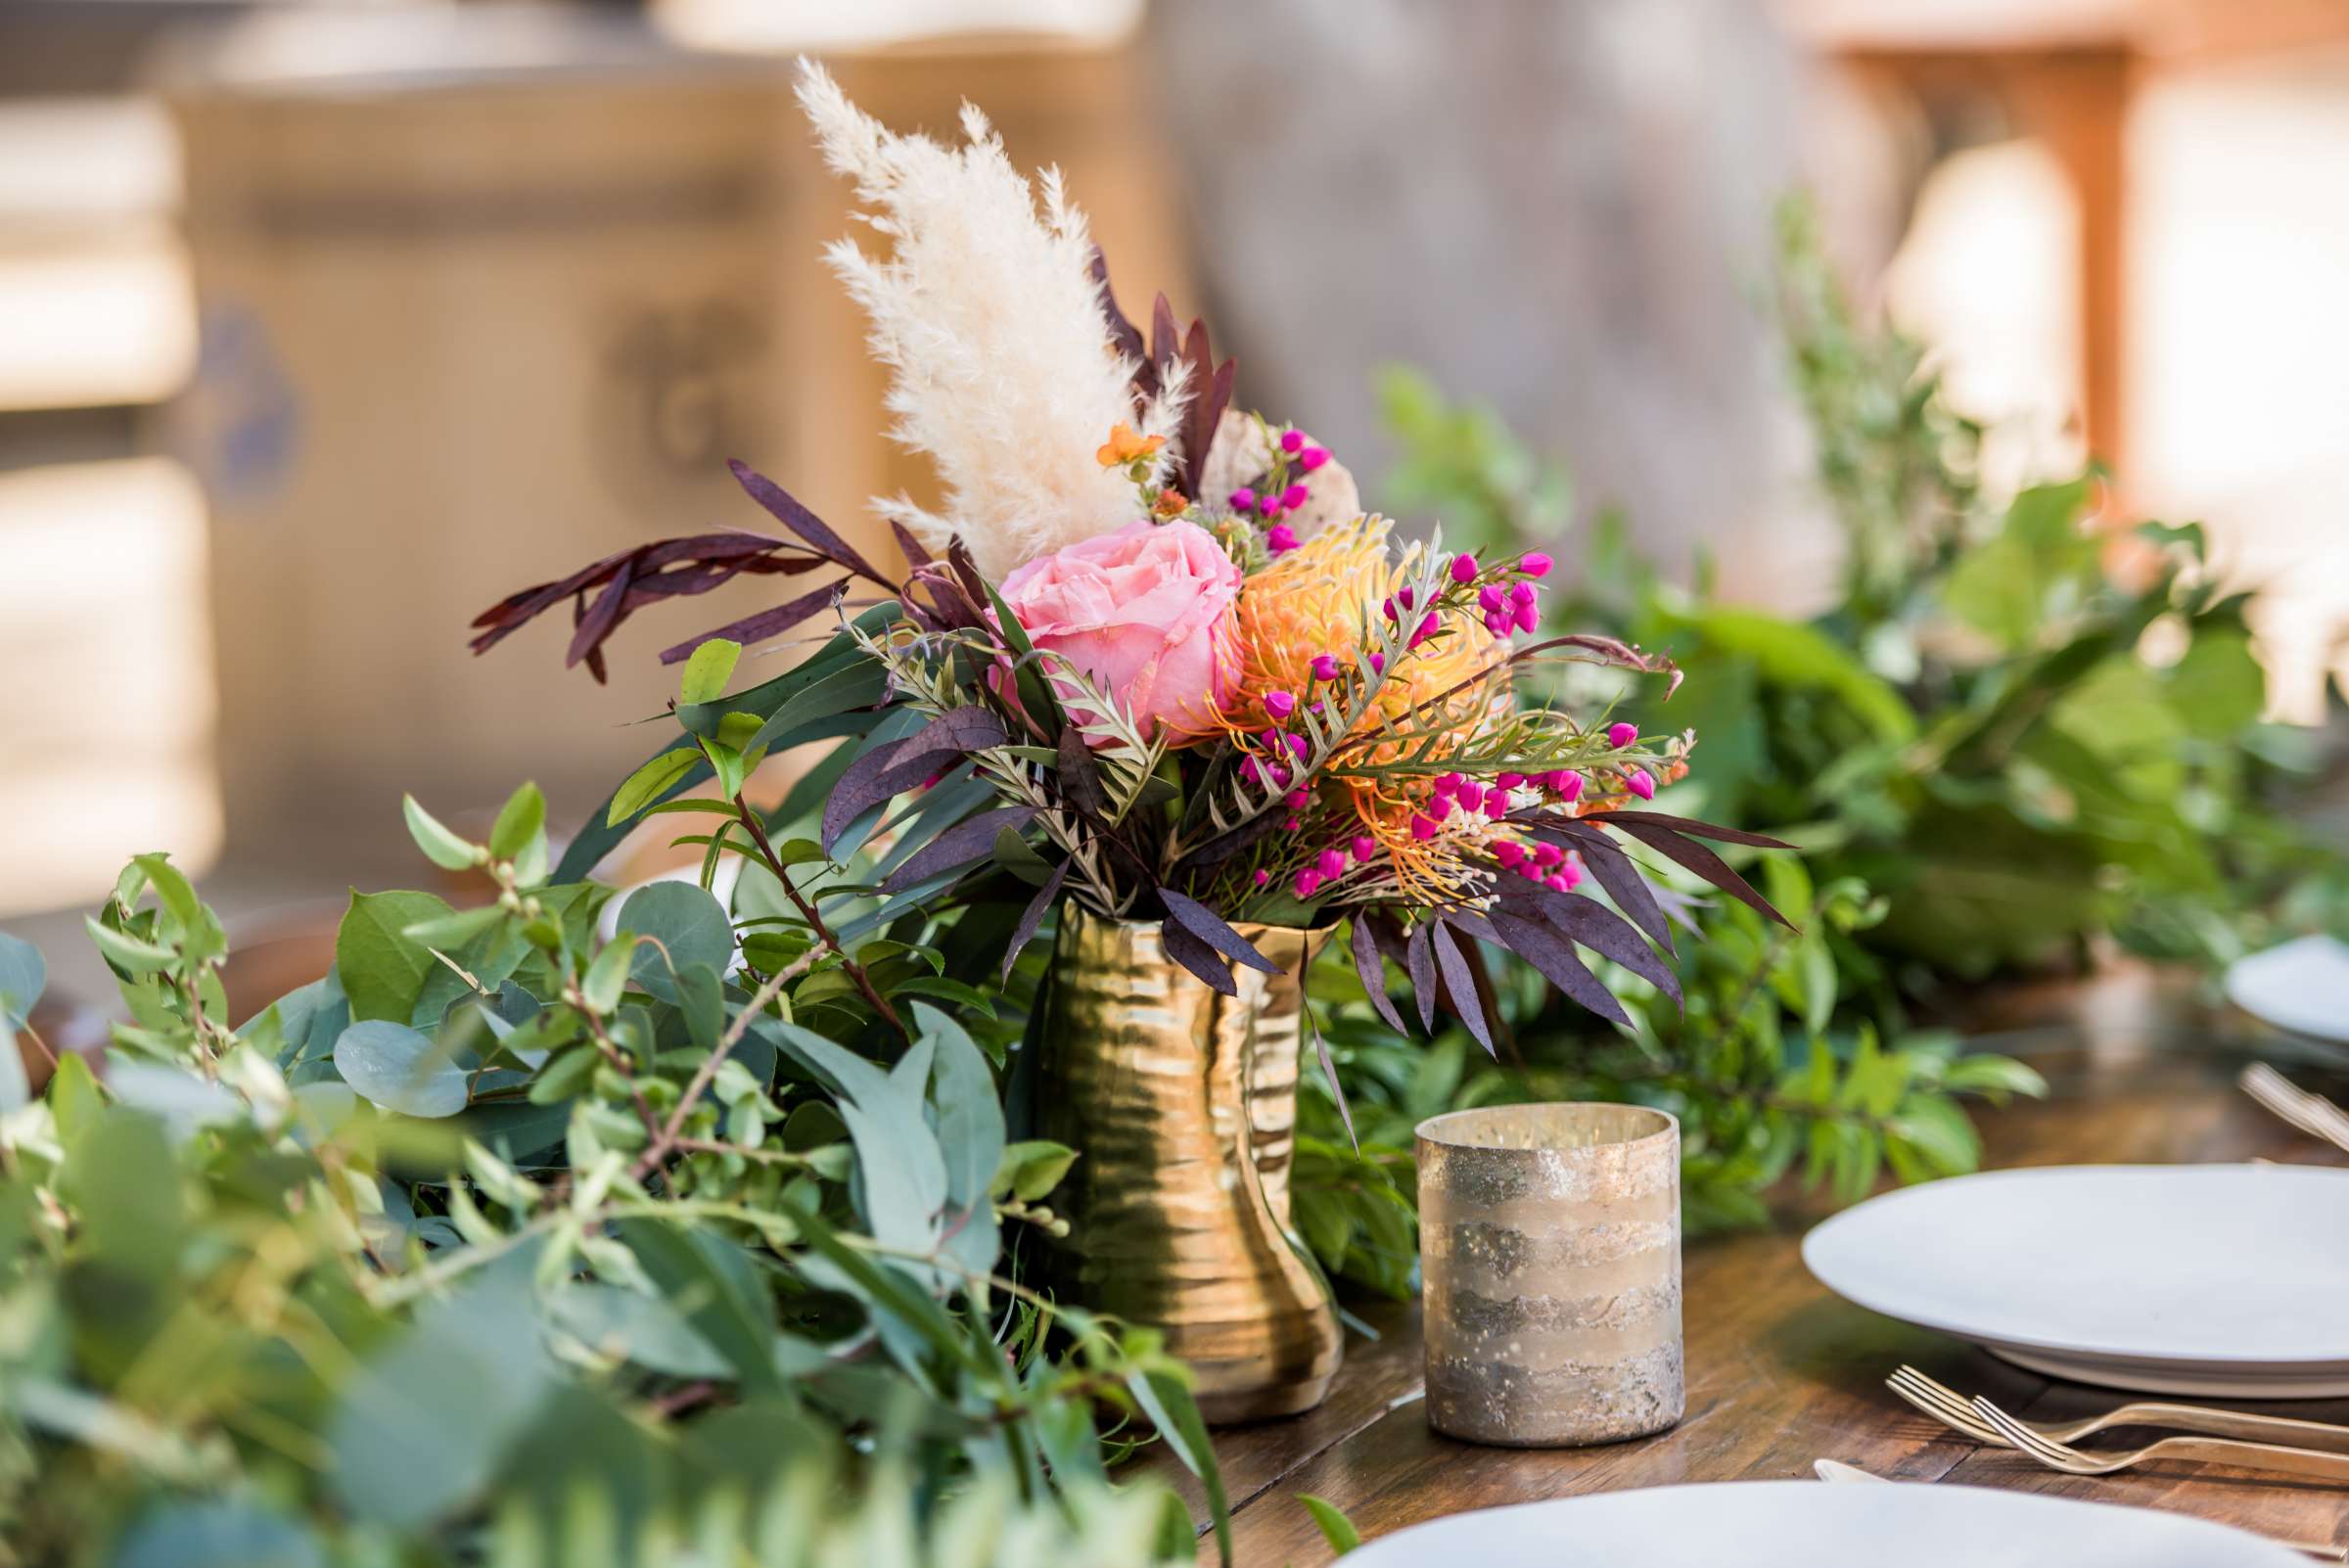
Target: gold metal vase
column 1181, row 1104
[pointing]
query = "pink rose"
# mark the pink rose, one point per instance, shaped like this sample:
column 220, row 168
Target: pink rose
column 1146, row 613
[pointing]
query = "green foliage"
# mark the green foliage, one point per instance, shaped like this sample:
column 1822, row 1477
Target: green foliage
column 513, row 1242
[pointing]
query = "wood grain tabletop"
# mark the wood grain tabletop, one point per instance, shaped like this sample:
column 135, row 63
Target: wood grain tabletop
column 1781, row 1374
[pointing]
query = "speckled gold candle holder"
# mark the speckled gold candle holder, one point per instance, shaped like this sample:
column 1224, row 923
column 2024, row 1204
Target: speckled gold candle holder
column 1549, row 1240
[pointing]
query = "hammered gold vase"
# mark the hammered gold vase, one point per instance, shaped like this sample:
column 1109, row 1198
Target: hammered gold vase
column 1181, row 1104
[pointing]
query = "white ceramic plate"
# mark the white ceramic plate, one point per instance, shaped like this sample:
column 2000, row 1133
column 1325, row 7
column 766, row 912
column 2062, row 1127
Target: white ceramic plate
column 1807, row 1524
column 2197, row 1280
column 2302, row 986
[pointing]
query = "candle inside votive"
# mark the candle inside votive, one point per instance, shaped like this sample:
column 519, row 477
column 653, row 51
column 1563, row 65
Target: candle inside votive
column 1549, row 1240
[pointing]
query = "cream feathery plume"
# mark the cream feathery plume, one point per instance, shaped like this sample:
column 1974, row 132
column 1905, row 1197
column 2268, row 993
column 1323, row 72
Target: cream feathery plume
column 989, row 320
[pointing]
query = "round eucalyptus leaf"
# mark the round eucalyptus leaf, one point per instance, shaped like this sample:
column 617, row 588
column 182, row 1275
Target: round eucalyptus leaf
column 400, row 1068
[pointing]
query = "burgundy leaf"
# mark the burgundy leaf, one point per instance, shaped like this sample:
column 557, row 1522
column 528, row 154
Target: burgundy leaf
column 765, row 624
column 1420, row 965
column 1201, row 420
column 1215, row 852
column 597, row 624
column 956, row 732
column 1591, row 924
column 1034, row 916
column 1699, row 860
column 805, row 524
column 873, row 777
column 1080, row 779
column 1373, row 972
column 1197, row 957
column 915, row 556
column 1165, row 343
column 1553, row 955
column 1211, row 928
column 1697, row 829
column 1123, row 334
column 968, row 839
column 1619, row 876
column 1461, row 983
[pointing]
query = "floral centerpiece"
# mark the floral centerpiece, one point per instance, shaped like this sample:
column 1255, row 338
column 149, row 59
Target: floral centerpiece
column 1152, row 655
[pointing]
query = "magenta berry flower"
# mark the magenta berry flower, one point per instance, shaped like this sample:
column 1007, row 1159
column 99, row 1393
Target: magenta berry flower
column 1295, row 496
column 1403, row 596
column 1640, row 784
column 1509, row 851
column 1566, row 784
column 1252, row 771
column 1263, row 876
column 1471, row 794
column 1301, row 746
column 1298, row 800
column 1427, row 629
column 1568, row 875
column 1423, row 826
column 1463, row 568
column 1364, row 847
column 1292, row 440
column 1312, row 457
column 1526, row 617
column 1331, row 863
column 1490, row 598
column 1621, row 735
column 1279, row 704
column 1450, row 783
column 1280, row 538
column 1306, row 883
column 1508, row 781
column 1534, row 564
column 1325, row 668
column 1379, row 663
column 1496, row 805
column 1548, row 855
column 1243, row 499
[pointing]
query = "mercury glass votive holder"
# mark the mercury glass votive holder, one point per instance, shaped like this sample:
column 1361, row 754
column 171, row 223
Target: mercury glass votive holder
column 1549, row 1240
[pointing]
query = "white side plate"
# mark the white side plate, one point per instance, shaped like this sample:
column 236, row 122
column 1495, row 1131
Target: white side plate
column 2302, row 986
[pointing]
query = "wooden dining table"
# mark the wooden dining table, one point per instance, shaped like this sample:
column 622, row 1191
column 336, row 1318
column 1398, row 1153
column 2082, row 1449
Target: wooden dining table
column 1781, row 1374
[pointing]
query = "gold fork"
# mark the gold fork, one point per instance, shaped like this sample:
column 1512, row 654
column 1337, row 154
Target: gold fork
column 1952, row 1408
column 2312, row 1114
column 2262, row 1455
column 2210, row 1451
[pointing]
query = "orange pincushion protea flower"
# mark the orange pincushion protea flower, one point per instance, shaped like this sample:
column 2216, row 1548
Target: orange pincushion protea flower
column 1315, row 600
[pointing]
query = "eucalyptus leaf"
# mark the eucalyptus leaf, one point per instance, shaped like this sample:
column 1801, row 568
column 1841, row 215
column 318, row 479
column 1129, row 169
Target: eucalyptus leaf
column 400, row 1068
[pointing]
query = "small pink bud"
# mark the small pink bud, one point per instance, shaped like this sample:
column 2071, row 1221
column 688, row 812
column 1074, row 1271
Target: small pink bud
column 1402, row 597
column 1534, row 564
column 1528, row 617
column 1279, row 704
column 1566, row 784
column 1301, row 746
column 1568, row 875
column 1298, row 800
column 1557, row 880
column 1291, row 440
column 1281, row 776
column 1291, row 825
column 1243, row 499
column 1508, row 781
column 1312, row 457
column 1496, row 805
column 1263, row 876
column 1463, row 568
column 1331, row 863
column 1386, row 608
column 1490, row 598
column 1531, row 871
column 1471, row 794
column 1379, row 663
column 1280, row 538
column 1447, row 783
column 1548, row 855
column 1252, row 771
column 1440, row 808
column 1423, row 826
column 1497, row 623
column 1364, row 847
column 1325, row 668
column 1427, row 629
column 1295, row 496
column 1621, row 735
column 1522, row 593
column 1640, row 784
column 1306, row 883
column 1509, row 851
